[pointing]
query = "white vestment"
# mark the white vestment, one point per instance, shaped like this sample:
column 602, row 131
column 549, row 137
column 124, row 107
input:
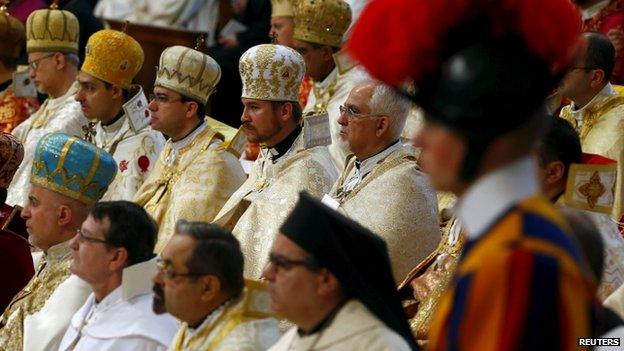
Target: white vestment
column 353, row 328
column 135, row 146
column 62, row 114
column 123, row 320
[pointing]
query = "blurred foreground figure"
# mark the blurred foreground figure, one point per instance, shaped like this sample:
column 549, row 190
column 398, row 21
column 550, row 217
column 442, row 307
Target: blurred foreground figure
column 521, row 282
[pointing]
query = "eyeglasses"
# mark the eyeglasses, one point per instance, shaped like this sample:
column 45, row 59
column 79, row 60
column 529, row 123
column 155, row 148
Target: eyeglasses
column 83, row 238
column 348, row 112
column 170, row 275
column 162, row 99
column 283, row 263
column 34, row 64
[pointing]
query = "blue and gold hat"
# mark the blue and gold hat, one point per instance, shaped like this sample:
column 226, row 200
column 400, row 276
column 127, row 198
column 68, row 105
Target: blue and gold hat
column 72, row 167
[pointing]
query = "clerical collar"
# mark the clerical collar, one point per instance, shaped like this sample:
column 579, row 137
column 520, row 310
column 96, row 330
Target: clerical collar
column 367, row 165
column 283, row 146
column 5, row 85
column 494, row 193
column 323, row 323
column 211, row 317
column 115, row 119
column 606, row 92
column 187, row 139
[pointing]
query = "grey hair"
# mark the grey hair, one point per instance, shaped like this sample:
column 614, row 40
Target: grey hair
column 73, row 59
column 387, row 101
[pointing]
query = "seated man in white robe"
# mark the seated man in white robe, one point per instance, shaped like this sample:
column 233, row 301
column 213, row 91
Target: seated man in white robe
column 200, row 281
column 113, row 253
column 318, row 36
column 331, row 277
column 196, row 173
column 38, row 316
column 118, row 110
column 52, row 47
column 293, row 156
column 382, row 186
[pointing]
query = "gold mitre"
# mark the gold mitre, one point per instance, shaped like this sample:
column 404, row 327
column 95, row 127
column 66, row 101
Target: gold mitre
column 282, row 8
column 52, row 30
column 322, row 21
column 11, row 34
column 113, row 56
column 271, row 72
column 188, row 72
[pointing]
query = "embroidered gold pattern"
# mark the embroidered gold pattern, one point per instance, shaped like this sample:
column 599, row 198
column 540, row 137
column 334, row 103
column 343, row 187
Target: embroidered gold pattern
column 593, row 189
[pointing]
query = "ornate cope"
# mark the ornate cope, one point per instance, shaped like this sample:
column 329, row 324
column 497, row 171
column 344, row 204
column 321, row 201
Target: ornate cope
column 257, row 209
column 192, row 182
column 395, row 201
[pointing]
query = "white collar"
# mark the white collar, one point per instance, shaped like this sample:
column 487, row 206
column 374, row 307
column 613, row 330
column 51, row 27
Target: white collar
column 594, row 9
column 109, row 300
column 115, row 126
column 177, row 145
column 69, row 94
column 137, row 279
column 494, row 193
column 607, row 91
column 368, row 164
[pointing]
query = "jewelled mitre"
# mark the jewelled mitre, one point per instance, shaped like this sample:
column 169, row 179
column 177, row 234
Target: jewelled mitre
column 282, row 8
column 188, row 72
column 52, row 30
column 271, row 72
column 11, row 34
column 11, row 155
column 322, row 21
column 113, row 56
column 72, row 167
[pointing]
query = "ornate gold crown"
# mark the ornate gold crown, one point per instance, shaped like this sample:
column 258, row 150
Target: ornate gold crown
column 11, row 34
column 188, row 72
column 113, row 56
column 52, row 30
column 271, row 72
column 282, row 8
column 322, row 21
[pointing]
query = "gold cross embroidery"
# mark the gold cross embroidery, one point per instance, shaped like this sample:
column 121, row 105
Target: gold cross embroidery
column 592, row 190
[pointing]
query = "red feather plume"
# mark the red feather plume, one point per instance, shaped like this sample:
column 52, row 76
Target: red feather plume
column 400, row 40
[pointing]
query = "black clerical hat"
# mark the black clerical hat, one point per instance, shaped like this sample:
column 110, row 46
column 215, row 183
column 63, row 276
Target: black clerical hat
column 357, row 257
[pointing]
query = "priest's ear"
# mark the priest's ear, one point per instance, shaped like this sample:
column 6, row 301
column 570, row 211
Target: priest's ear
column 211, row 287
column 117, row 92
column 119, row 258
column 327, row 284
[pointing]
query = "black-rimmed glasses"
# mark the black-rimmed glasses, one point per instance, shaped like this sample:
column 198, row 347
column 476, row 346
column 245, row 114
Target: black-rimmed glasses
column 84, row 238
column 170, row 275
column 281, row 262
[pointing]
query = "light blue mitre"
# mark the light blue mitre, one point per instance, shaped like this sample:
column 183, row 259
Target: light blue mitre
column 72, row 167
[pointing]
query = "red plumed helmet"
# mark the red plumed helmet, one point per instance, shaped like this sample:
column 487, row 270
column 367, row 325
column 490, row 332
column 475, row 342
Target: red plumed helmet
column 403, row 40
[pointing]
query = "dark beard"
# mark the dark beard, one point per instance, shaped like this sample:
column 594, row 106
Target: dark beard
column 158, row 303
